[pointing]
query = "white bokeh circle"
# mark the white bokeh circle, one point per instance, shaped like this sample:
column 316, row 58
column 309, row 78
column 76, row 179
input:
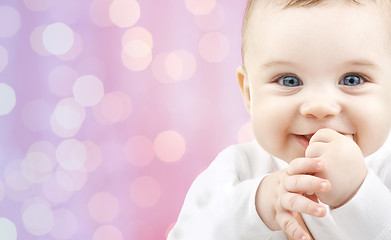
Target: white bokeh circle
column 38, row 5
column 37, row 217
column 58, row 38
column 65, row 224
column 124, row 13
column 88, row 90
column 7, row 99
column 71, row 154
column 10, row 22
column 7, row 230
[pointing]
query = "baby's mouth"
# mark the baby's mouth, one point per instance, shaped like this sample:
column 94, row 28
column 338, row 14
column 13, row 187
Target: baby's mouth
column 304, row 140
column 308, row 136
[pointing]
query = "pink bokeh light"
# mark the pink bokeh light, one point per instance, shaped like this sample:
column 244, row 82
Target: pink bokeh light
column 137, row 33
column 103, row 207
column 36, row 41
column 107, row 232
column 169, row 146
column 145, row 191
column 38, row 5
column 124, row 13
column 114, row 107
column 200, row 7
column 214, row 47
column 94, row 156
column 99, row 12
column 139, row 151
column 211, row 21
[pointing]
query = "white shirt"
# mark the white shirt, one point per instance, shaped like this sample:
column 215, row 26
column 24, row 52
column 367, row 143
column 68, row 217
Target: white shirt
column 220, row 204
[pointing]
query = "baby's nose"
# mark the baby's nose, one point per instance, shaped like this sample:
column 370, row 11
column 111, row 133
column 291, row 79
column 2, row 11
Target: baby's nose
column 320, row 106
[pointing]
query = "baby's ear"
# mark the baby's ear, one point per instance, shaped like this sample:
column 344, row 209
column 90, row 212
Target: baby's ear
column 244, row 87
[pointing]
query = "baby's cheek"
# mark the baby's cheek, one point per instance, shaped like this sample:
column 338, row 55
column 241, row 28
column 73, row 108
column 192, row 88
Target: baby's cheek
column 370, row 144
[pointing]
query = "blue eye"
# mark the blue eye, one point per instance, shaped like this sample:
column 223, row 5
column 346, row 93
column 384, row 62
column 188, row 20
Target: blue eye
column 351, row 80
column 290, row 81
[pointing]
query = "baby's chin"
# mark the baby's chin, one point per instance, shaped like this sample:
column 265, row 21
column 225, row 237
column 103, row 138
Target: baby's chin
column 290, row 155
column 367, row 151
column 285, row 153
column 289, row 159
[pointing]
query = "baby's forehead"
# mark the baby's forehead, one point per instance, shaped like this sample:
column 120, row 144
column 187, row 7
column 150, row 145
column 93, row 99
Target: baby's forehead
column 257, row 9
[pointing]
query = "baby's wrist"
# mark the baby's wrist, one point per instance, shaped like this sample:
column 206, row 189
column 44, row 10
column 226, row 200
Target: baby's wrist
column 349, row 196
column 264, row 204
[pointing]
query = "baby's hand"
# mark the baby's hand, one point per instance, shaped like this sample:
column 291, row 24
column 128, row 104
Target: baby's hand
column 344, row 165
column 280, row 196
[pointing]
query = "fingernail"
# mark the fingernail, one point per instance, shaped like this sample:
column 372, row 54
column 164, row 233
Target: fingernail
column 323, row 186
column 318, row 211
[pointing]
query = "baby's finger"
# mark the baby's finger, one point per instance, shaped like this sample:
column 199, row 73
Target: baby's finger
column 307, row 184
column 290, row 226
column 315, row 149
column 298, row 203
column 325, row 135
column 304, row 165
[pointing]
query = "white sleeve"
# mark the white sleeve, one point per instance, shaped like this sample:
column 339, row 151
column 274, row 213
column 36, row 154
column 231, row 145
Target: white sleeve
column 221, row 206
column 368, row 214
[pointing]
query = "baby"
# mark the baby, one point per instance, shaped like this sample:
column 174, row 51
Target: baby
column 316, row 80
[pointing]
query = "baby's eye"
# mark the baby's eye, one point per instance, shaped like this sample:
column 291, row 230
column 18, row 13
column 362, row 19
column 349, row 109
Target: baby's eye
column 351, row 80
column 290, row 81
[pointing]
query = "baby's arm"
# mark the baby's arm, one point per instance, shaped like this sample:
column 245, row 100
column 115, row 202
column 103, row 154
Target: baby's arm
column 281, row 196
column 220, row 204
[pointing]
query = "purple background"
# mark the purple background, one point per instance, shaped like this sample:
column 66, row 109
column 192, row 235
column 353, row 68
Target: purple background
column 101, row 136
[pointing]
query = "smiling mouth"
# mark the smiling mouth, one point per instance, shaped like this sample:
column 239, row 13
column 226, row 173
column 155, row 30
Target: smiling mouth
column 308, row 136
column 304, row 140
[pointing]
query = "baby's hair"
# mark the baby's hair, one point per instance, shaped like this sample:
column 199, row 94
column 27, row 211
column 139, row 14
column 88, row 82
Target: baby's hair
column 253, row 4
column 307, row 3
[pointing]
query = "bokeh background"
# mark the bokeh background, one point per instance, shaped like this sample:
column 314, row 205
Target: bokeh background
column 109, row 109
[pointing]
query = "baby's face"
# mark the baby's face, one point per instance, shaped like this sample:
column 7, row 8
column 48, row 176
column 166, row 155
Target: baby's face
column 318, row 67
